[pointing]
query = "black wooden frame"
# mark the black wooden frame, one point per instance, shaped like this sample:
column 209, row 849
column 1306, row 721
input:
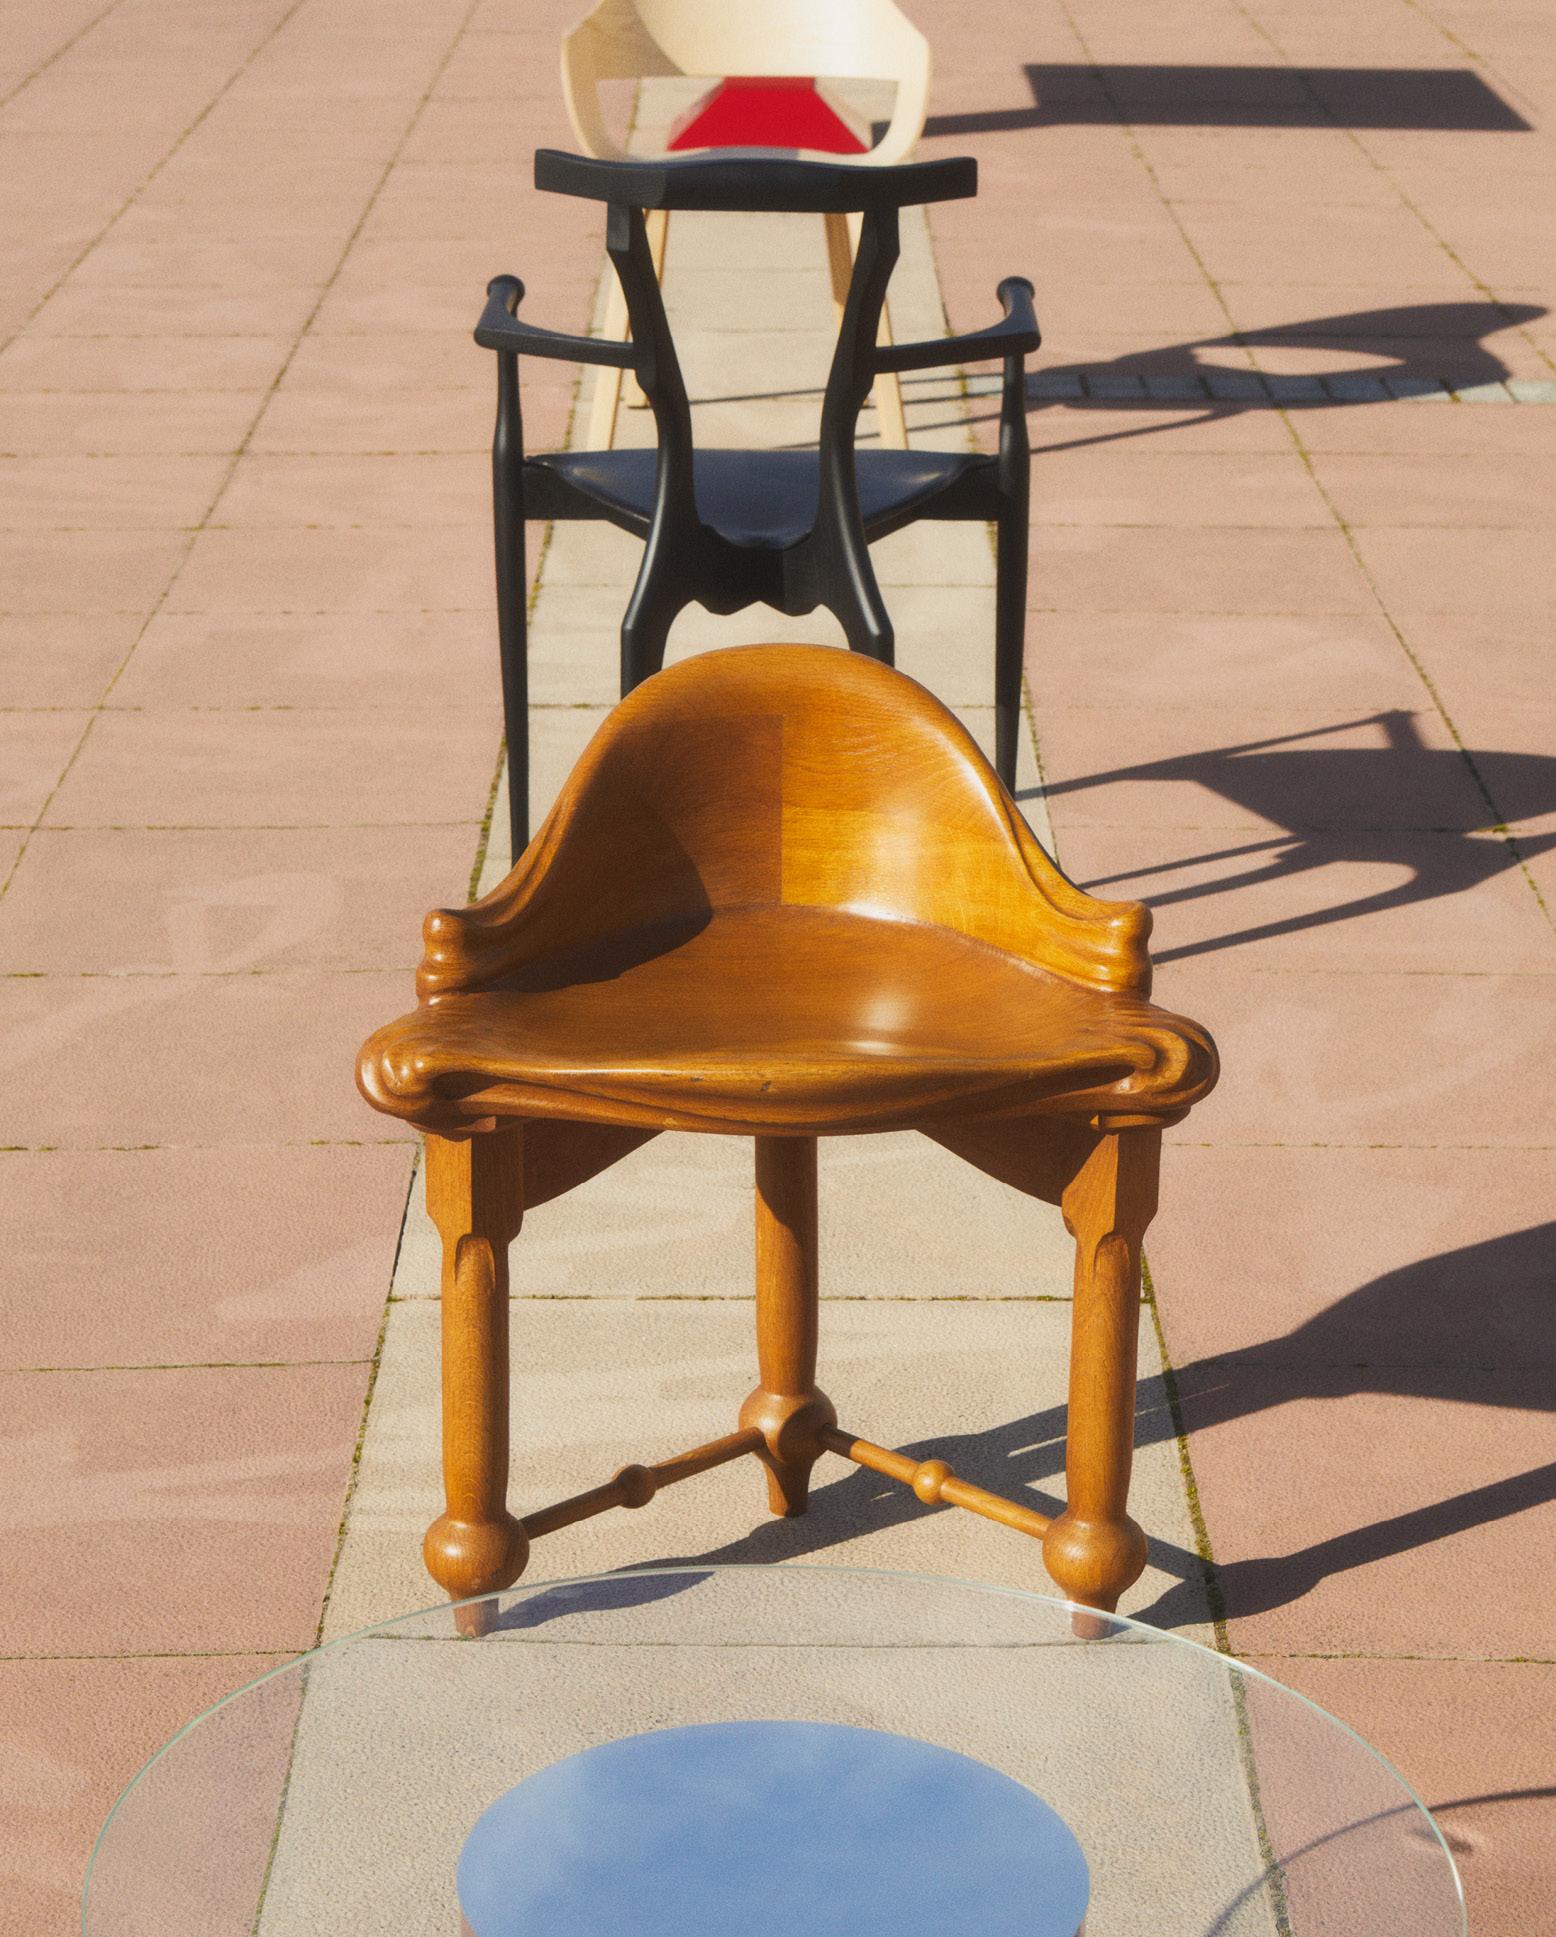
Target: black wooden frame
column 686, row 559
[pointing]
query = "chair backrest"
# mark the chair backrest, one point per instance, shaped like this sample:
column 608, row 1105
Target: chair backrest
column 759, row 776
column 756, row 183
column 819, row 39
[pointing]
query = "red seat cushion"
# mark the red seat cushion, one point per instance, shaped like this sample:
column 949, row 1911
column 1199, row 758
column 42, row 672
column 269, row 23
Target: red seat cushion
column 780, row 111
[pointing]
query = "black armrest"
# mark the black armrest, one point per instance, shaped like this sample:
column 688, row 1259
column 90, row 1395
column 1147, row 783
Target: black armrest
column 500, row 329
column 1016, row 335
column 755, row 181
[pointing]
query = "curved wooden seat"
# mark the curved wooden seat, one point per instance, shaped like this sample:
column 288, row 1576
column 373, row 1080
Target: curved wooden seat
column 783, row 895
column 875, row 1025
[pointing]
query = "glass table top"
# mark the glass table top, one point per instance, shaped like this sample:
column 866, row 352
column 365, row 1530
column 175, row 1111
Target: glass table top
column 963, row 1746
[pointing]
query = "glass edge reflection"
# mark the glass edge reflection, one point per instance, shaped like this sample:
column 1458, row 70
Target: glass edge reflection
column 1159, row 1636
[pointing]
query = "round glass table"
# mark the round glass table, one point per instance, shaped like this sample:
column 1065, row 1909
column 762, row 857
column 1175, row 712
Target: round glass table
column 700, row 1751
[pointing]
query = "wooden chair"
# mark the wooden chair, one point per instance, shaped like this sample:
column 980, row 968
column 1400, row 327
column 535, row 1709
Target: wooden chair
column 731, row 528
column 767, row 55
column 784, row 896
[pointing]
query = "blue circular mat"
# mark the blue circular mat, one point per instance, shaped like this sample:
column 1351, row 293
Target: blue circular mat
column 735, row 1829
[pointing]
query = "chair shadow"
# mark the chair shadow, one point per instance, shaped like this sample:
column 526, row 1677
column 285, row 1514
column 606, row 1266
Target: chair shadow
column 1474, row 1326
column 1086, row 94
column 1420, row 345
column 1325, row 797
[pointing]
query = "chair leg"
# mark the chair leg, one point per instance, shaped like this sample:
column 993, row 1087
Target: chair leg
column 1010, row 617
column 645, row 633
column 786, row 1407
column 474, row 1195
column 1093, row 1549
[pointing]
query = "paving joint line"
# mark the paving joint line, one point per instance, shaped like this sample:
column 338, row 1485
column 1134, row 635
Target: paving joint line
column 1303, row 75
column 59, row 53
column 135, row 193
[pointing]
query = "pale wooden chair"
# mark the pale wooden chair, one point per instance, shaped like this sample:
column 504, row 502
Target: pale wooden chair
column 783, row 896
column 838, row 39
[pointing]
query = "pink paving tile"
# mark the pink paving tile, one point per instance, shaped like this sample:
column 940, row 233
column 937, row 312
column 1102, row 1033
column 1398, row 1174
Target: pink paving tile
column 1201, row 177
column 1356, row 901
column 130, row 423
column 341, row 492
column 321, row 659
column 314, row 571
column 160, row 313
column 1471, row 571
column 1476, row 1740
column 372, row 422
column 486, row 131
column 1135, row 487
column 454, row 307
column 91, row 570
column 1151, row 314
column 462, row 262
column 145, row 494
column 398, row 361
column 1343, row 307
column 1097, row 423
column 1323, row 1058
column 213, row 1061
column 1513, row 749
column 1098, row 251
column 71, row 1767
column 1437, row 433
column 1117, row 766
column 201, row 903
column 1248, row 570
column 112, row 361
column 1215, row 662
column 425, row 200
column 1342, row 1518
column 1471, row 658
column 258, row 263
column 1416, row 1269
column 196, row 1508
column 1455, row 360
column 1338, row 243
column 283, row 769
column 1541, row 868
column 194, row 1257
column 49, row 659
column 1484, row 490
column 34, row 751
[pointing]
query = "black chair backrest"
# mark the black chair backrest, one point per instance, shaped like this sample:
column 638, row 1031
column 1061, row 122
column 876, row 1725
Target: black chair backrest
column 751, row 182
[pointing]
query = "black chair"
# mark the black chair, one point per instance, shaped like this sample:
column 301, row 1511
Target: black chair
column 731, row 528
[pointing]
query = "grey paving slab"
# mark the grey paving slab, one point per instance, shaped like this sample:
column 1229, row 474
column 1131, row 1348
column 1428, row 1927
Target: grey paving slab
column 900, row 1218
column 402, row 1744
column 598, row 1383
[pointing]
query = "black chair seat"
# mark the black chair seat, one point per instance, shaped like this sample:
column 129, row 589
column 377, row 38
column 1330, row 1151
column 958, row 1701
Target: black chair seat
column 761, row 499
